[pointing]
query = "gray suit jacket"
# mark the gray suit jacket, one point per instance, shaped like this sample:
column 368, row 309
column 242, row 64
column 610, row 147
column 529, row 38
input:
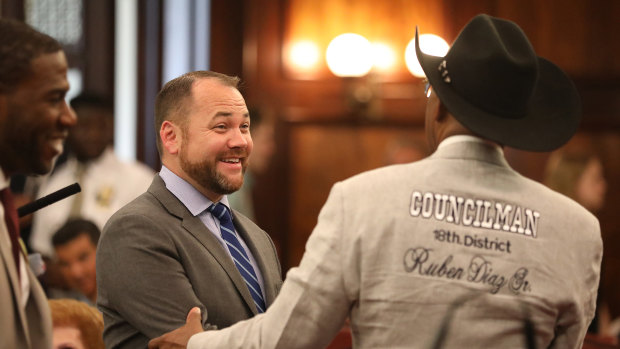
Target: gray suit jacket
column 31, row 328
column 155, row 261
column 458, row 235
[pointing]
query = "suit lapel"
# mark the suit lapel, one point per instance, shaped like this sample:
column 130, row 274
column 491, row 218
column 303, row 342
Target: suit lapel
column 9, row 264
column 38, row 309
column 198, row 230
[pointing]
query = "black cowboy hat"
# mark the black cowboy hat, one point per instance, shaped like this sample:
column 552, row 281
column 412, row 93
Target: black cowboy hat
column 494, row 84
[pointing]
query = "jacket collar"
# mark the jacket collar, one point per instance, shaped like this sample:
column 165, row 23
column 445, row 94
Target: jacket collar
column 470, row 148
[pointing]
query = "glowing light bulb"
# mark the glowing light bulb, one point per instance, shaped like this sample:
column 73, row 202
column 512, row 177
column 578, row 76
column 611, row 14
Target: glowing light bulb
column 304, row 55
column 430, row 44
column 349, row 55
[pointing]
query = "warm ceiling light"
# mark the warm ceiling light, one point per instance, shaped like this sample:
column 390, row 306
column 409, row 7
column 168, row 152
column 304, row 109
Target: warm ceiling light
column 384, row 57
column 304, row 55
column 430, row 44
column 349, row 55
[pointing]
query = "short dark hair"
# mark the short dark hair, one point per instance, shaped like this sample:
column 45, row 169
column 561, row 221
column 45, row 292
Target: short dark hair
column 94, row 100
column 171, row 99
column 74, row 228
column 19, row 45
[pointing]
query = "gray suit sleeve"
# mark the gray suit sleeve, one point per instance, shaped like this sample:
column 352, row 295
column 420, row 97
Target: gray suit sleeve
column 141, row 279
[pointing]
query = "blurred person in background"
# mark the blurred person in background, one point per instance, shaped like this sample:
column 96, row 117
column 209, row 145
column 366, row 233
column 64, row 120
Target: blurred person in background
column 107, row 182
column 75, row 244
column 76, row 325
column 578, row 174
column 263, row 136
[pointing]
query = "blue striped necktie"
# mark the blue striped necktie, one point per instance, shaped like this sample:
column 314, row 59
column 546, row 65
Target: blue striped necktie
column 239, row 256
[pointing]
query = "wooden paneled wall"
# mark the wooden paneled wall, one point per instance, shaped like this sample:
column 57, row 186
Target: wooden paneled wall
column 325, row 154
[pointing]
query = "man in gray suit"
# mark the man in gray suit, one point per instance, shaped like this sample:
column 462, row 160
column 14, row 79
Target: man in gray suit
column 458, row 238
column 34, row 120
column 179, row 244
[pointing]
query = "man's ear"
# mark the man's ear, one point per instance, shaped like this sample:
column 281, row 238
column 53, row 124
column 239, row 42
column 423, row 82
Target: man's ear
column 434, row 108
column 171, row 139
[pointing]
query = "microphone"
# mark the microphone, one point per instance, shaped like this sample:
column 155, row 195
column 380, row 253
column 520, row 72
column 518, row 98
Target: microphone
column 48, row 199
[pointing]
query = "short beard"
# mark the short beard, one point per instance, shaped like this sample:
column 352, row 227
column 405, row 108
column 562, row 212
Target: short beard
column 25, row 148
column 206, row 175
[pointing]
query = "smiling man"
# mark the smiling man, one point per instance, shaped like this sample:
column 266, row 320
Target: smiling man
column 34, row 121
column 179, row 244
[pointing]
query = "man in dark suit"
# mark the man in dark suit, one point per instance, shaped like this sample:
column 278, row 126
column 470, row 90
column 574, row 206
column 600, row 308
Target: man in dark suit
column 179, row 244
column 458, row 238
column 34, row 120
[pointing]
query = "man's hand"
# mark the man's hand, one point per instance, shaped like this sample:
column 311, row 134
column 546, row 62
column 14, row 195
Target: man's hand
column 179, row 337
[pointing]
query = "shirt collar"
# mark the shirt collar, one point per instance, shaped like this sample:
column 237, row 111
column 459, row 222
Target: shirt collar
column 468, row 138
column 195, row 202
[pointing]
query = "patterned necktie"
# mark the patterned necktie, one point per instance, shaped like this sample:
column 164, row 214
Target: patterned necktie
column 239, row 256
column 12, row 223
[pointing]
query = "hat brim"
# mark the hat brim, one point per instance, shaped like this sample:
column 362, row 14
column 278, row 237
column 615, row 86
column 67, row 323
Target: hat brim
column 551, row 120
